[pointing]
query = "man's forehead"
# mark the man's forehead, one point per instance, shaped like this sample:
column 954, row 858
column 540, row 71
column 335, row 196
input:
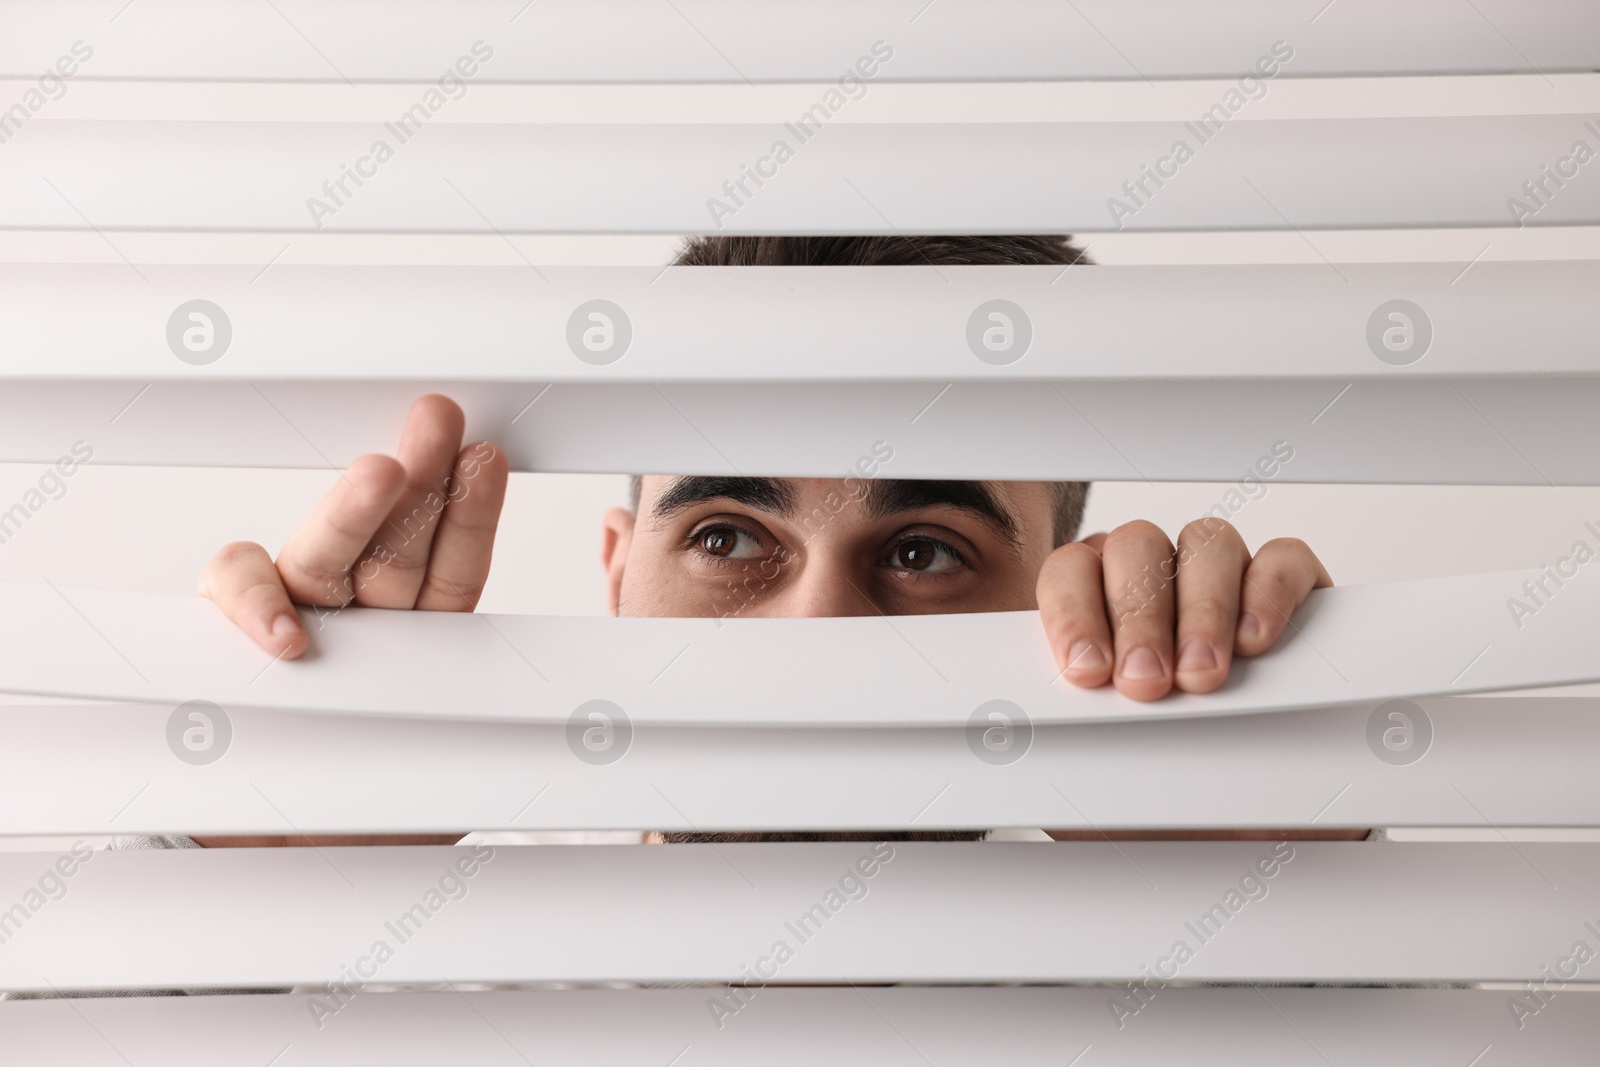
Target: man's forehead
column 879, row 497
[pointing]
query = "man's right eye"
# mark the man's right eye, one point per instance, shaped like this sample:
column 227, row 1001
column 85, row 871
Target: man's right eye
column 727, row 542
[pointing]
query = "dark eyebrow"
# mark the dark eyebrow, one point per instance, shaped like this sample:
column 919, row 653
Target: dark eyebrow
column 774, row 495
column 885, row 497
column 892, row 495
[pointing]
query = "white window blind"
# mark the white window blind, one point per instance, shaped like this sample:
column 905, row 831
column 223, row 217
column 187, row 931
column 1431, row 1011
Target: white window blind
column 1481, row 372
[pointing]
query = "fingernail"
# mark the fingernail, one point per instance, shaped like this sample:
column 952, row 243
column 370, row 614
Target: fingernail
column 1197, row 655
column 1140, row 664
column 1085, row 656
column 285, row 625
column 1249, row 626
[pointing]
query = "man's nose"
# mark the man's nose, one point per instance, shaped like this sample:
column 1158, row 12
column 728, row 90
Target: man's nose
column 824, row 589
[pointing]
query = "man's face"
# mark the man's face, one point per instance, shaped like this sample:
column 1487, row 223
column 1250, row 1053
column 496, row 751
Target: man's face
column 751, row 547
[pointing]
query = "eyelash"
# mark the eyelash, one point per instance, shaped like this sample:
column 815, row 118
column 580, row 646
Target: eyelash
column 941, row 545
column 697, row 536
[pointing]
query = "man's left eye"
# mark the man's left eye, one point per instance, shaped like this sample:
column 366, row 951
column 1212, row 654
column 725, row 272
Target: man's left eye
column 924, row 555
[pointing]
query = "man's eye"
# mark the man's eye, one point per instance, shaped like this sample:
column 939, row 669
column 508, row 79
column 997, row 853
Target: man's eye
column 728, row 542
column 925, row 555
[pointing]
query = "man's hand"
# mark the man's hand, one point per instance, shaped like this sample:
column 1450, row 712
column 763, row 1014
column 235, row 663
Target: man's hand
column 1127, row 607
column 415, row 530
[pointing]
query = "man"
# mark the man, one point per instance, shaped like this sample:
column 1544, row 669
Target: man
column 1127, row 608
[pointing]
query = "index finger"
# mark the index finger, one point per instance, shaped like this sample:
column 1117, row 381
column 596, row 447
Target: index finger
column 316, row 560
column 242, row 581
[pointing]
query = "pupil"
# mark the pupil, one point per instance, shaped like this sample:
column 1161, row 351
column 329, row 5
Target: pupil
column 917, row 555
column 717, row 542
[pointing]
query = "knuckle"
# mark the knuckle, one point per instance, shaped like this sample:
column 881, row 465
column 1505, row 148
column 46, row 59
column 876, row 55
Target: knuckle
column 1069, row 559
column 319, row 585
column 1211, row 547
column 1207, row 530
column 367, row 464
column 481, row 453
column 467, row 592
column 1142, row 570
column 1139, row 531
column 320, row 576
column 1287, row 545
column 1205, row 613
column 263, row 594
column 1272, row 589
column 1206, row 526
column 375, row 461
column 376, row 473
column 396, row 562
column 470, row 523
column 345, row 527
column 1283, row 569
column 1150, row 597
column 1069, row 633
column 1069, row 624
column 1135, row 615
column 418, row 491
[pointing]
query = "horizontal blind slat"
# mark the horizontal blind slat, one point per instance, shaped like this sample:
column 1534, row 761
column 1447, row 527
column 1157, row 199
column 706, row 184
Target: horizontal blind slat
column 723, row 41
column 1267, row 323
column 895, row 1027
column 922, row 912
column 858, row 179
column 1358, row 643
column 121, row 772
column 1535, row 430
